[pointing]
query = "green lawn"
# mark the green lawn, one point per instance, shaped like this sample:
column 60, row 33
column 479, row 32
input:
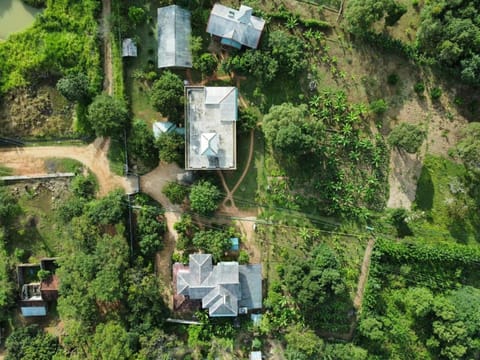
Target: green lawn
column 442, row 194
column 53, row 165
column 246, row 192
column 37, row 230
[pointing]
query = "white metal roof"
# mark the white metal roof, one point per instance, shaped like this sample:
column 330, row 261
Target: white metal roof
column 210, row 124
column 129, row 48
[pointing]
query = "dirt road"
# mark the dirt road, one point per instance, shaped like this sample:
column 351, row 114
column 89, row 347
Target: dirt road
column 28, row 161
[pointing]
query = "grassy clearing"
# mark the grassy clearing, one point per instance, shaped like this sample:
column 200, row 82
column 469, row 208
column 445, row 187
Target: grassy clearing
column 5, row 171
column 37, row 230
column 137, row 90
column 116, row 157
column 246, row 192
column 442, row 195
column 53, row 165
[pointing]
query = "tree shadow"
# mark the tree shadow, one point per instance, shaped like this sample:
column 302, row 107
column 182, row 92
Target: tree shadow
column 425, row 191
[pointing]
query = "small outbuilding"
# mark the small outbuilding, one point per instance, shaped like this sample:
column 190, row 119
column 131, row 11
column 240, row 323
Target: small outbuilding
column 129, row 49
column 256, row 355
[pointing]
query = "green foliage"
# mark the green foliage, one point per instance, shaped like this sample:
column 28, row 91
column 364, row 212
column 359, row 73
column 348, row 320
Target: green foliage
column 468, row 148
column 9, row 207
column 435, row 93
column 419, row 88
column 449, row 35
column 304, row 342
column 30, row 342
column 141, row 145
column 204, row 197
column 167, row 94
column 408, row 137
column 175, row 192
column 287, row 129
column 362, row 14
column 248, row 118
column 313, row 281
column 146, row 310
column 258, row 63
column 171, row 147
column 393, row 79
column 213, row 242
column 111, row 342
column 83, row 187
column 107, row 115
column 136, row 15
column 398, row 219
column 288, row 50
column 35, row 3
column 206, row 63
column 379, row 106
column 107, row 210
column 63, row 40
column 150, row 229
column 243, row 257
column 74, row 87
column 43, row 274
column 344, row 352
column 6, row 286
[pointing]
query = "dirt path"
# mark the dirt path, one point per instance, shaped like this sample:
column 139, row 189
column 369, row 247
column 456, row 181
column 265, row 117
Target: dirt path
column 107, row 47
column 31, row 160
column 357, row 302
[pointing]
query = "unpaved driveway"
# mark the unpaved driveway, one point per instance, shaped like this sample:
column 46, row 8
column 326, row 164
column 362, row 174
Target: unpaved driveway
column 31, row 160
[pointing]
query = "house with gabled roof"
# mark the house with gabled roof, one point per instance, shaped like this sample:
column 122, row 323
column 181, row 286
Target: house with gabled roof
column 235, row 27
column 225, row 289
column 174, row 33
column 210, row 127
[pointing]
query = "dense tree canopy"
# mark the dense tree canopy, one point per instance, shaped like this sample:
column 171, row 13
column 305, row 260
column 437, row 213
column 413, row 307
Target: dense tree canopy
column 74, row 87
column 215, row 242
column 107, row 115
column 111, row 342
column 141, row 144
column 167, row 94
column 30, row 342
column 312, row 281
column 362, row 14
column 175, row 192
column 170, row 147
column 468, row 148
column 204, row 197
column 408, row 137
column 286, row 128
column 450, row 33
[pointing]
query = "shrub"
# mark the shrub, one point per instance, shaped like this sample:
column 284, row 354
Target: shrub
column 379, row 106
column 435, row 93
column 175, row 192
column 204, row 197
column 419, row 88
column 407, row 136
column 393, row 79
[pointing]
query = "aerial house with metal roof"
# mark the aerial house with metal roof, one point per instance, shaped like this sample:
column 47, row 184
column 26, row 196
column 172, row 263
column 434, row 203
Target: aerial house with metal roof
column 210, row 128
column 174, row 32
column 235, row 27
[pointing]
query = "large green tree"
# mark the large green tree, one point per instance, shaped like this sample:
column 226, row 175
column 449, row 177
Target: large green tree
column 171, row 147
column 167, row 94
column 141, row 144
column 468, row 148
column 204, row 197
column 74, row 87
column 31, row 343
column 107, row 115
column 111, row 342
column 287, row 129
column 215, row 242
column 450, row 33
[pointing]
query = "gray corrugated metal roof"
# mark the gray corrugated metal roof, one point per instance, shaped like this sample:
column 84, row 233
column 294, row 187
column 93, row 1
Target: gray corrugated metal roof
column 174, row 32
column 251, row 286
column 222, row 288
column 210, row 110
column 237, row 25
column 129, row 48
